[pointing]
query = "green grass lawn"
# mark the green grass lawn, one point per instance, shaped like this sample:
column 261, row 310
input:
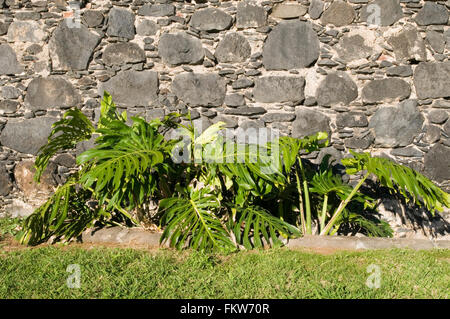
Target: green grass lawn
column 277, row 273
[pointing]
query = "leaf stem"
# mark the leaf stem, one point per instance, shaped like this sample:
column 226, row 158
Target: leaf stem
column 342, row 205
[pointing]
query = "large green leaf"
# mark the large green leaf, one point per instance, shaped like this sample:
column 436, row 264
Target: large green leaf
column 73, row 128
column 192, row 219
column 403, row 179
column 253, row 224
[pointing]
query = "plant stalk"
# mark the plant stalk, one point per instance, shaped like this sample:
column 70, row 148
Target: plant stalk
column 324, row 212
column 300, row 202
column 307, row 203
column 342, row 205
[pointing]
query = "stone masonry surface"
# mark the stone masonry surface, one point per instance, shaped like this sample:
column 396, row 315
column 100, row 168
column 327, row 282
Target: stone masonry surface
column 375, row 74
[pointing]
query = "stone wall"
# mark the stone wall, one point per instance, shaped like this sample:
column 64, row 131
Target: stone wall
column 373, row 73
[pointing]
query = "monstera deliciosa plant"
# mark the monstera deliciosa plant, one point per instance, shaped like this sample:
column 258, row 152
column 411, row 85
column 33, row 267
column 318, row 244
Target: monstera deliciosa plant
column 222, row 196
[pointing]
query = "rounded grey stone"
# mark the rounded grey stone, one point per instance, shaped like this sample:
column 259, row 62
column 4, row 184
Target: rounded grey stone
column 336, row 88
column 288, row 10
column 71, row 48
column 408, row 44
column 432, row 13
column 146, row 28
column 233, row 48
column 27, row 136
column 3, row 28
column 438, row 116
column 436, row 41
column 432, row 80
column 121, row 23
column 180, row 48
column 351, row 119
column 352, row 47
column 400, row 70
column 315, row 9
column 132, row 88
column 211, row 19
column 122, row 53
column 51, row 92
column 396, row 126
column 234, row 100
column 385, row 90
column 10, row 92
column 157, row 10
column 8, row 107
column 390, row 12
column 8, row 61
column 5, row 181
column 250, row 16
column 25, row 31
column 278, row 117
column 270, row 89
column 93, row 18
column 308, row 122
column 339, row 13
column 199, row 89
column 291, row 45
column 436, row 166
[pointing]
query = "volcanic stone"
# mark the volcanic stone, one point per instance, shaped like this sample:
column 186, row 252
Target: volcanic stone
column 270, row 89
column 3, row 28
column 10, row 92
column 250, row 16
column 122, row 53
column 352, row 47
column 308, row 122
column 338, row 13
column 133, row 88
column 408, row 44
column 246, row 111
column 234, row 100
column 290, row 45
column 315, row 9
column 24, row 175
column 121, row 23
column 51, row 92
column 432, row 13
column 180, row 48
column 146, row 27
column 437, row 167
column 72, row 48
column 336, row 88
column 211, row 19
column 436, row 40
column 351, row 119
column 278, row 117
column 438, row 116
column 5, row 181
column 8, row 106
column 288, row 10
column 25, row 31
column 396, row 126
column 400, row 70
column 233, row 48
column 93, row 18
column 27, row 136
column 8, row 61
column 157, row 10
column 432, row 80
column 385, row 90
column 197, row 89
column 359, row 142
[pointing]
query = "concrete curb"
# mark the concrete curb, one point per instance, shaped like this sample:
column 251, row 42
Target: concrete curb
column 141, row 237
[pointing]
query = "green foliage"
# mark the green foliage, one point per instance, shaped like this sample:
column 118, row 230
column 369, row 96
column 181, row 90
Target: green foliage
column 73, row 128
column 399, row 178
column 224, row 196
column 10, row 226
